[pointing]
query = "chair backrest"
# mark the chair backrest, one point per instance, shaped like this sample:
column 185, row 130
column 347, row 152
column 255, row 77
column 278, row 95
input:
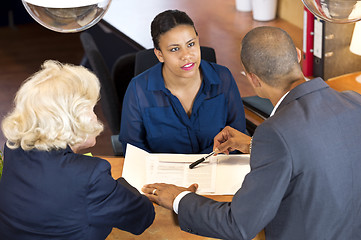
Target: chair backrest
column 109, row 97
column 146, row 58
column 122, row 74
column 261, row 107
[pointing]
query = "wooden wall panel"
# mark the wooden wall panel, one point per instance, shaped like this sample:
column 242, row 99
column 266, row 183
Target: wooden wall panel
column 291, row 11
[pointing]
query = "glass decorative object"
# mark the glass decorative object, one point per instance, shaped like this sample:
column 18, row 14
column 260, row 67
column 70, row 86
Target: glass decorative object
column 67, row 15
column 335, row 11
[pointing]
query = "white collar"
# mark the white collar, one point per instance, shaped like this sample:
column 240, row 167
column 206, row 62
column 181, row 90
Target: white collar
column 281, row 99
column 278, row 103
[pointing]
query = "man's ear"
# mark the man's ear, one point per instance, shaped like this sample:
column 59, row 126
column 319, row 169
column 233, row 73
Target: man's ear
column 255, row 81
column 159, row 55
column 299, row 54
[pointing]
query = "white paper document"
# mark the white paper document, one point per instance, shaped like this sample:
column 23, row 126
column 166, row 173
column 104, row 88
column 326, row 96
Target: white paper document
column 219, row 175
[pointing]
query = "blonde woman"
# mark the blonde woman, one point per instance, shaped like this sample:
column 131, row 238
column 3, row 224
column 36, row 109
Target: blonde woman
column 47, row 190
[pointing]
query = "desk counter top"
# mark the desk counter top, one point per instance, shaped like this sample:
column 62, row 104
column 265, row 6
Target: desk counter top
column 165, row 224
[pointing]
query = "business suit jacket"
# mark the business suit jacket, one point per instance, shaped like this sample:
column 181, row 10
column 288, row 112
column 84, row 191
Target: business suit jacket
column 305, row 179
column 63, row 195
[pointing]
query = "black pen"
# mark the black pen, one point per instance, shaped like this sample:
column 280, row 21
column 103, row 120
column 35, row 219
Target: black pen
column 192, row 165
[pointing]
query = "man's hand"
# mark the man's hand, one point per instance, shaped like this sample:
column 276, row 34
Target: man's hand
column 164, row 194
column 229, row 139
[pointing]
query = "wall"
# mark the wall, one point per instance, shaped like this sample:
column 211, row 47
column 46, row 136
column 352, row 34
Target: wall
column 291, row 11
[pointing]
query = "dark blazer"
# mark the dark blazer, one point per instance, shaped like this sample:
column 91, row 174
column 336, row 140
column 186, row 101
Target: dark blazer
column 305, row 179
column 63, row 195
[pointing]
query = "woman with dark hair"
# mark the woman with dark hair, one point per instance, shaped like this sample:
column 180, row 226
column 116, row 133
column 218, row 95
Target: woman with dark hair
column 180, row 104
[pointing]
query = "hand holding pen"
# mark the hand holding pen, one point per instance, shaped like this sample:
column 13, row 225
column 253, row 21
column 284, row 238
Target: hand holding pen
column 229, row 139
column 226, row 141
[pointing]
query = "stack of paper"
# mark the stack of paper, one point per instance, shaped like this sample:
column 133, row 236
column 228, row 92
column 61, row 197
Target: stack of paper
column 219, row 175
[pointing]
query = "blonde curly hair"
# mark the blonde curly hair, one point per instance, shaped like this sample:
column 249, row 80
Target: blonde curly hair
column 52, row 109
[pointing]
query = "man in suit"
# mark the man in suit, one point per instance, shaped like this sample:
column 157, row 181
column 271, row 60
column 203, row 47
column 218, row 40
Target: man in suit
column 305, row 179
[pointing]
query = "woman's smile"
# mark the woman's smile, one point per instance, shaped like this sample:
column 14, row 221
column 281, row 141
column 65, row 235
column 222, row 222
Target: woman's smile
column 188, row 66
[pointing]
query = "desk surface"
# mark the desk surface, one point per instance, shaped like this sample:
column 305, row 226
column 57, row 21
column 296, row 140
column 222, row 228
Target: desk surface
column 351, row 81
column 218, row 23
column 165, row 224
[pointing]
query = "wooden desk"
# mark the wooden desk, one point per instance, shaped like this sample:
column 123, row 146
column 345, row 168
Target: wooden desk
column 165, row 224
column 351, row 81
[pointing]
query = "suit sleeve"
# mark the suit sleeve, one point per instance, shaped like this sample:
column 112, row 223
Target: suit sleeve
column 254, row 205
column 116, row 203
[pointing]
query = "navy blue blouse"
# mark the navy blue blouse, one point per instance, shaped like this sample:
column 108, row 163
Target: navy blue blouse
column 154, row 119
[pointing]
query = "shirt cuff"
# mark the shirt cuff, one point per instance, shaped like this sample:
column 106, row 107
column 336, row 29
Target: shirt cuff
column 178, row 199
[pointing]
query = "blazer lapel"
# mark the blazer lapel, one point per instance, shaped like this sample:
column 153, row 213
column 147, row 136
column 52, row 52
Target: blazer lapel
column 310, row 86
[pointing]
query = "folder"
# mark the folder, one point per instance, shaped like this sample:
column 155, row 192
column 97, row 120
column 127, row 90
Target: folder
column 219, row 175
column 308, row 33
column 318, row 48
column 332, row 56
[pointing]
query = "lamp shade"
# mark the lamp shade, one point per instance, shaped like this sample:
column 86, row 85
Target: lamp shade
column 336, row 11
column 67, row 15
column 355, row 45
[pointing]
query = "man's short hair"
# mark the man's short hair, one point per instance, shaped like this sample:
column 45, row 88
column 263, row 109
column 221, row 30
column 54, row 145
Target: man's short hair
column 269, row 53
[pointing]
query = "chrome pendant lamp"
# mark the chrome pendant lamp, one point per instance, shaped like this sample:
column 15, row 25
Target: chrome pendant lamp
column 67, row 15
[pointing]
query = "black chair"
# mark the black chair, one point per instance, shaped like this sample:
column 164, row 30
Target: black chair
column 111, row 91
column 145, row 59
column 122, row 73
column 262, row 107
